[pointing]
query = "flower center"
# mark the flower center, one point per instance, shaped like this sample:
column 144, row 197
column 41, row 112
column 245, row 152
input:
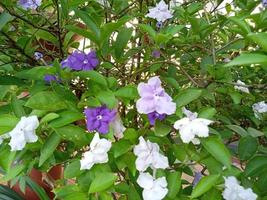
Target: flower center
column 85, row 61
column 99, row 117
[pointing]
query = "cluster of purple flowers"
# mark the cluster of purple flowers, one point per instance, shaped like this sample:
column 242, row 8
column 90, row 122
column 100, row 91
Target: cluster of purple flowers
column 81, row 61
column 99, row 118
column 30, row 4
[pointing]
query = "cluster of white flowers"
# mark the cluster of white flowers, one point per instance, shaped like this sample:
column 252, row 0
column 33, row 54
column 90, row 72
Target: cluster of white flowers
column 97, row 153
column 241, row 87
column 259, row 108
column 161, row 12
column 234, row 191
column 148, row 155
column 23, row 133
column 191, row 126
column 155, row 189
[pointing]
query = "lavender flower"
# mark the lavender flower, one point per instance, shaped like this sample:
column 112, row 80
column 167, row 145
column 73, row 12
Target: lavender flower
column 160, row 12
column 38, row 55
column 30, row 4
column 154, row 116
column 99, row 118
column 49, row 78
column 154, row 98
column 264, row 3
column 81, row 61
column 156, row 53
column 197, row 178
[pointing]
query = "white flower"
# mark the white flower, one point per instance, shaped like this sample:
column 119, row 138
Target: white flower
column 241, row 87
column 260, row 107
column 191, row 126
column 97, row 153
column 233, row 191
column 148, row 155
column 154, row 189
column 118, row 127
column 160, row 12
column 23, row 133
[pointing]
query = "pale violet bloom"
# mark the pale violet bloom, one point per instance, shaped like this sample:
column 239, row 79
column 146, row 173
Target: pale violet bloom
column 153, row 189
column 98, row 152
column 234, row 191
column 161, row 12
column 30, row 4
column 259, row 108
column 148, row 155
column 192, row 127
column 23, row 133
column 241, row 87
column 118, row 127
column 154, row 98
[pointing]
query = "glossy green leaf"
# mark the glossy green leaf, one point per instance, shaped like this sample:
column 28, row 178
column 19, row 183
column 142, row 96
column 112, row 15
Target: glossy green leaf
column 186, row 96
column 174, row 183
column 259, row 39
column 72, row 170
column 256, row 166
column 247, row 147
column 161, row 129
column 218, row 150
column 65, row 118
column 122, row 39
column 102, row 182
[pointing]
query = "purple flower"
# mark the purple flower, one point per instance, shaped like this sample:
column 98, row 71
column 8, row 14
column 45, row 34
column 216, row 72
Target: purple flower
column 81, row 61
column 154, row 116
column 154, row 98
column 156, row 53
column 49, row 78
column 38, row 55
column 264, row 3
column 99, row 118
column 30, row 4
column 197, row 178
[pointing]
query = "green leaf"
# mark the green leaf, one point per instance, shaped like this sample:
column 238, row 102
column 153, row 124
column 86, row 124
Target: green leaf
column 247, row 147
column 121, row 41
column 37, row 189
column 207, row 113
column 204, row 185
column 72, row 170
column 6, row 156
column 17, row 107
column 36, row 73
column 102, row 182
column 129, row 92
column 70, row 192
column 256, row 166
column 82, row 32
column 254, row 133
column 46, row 100
column 161, row 129
column 186, row 96
column 241, row 23
column 89, row 21
column 242, row 132
column 49, row 117
column 121, row 147
column 13, row 172
column 248, row 59
column 8, row 194
column 218, row 150
column 259, row 39
column 174, row 183
column 107, row 98
column 74, row 134
column 5, row 17
column 65, row 118
column 49, row 147
column 7, row 123
column 94, row 76
column 45, row 35
column 148, row 29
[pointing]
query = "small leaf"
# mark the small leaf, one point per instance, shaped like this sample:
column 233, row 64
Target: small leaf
column 204, row 185
column 256, row 166
column 121, row 147
column 248, row 59
column 49, row 147
column 218, row 150
column 65, row 118
column 161, row 129
column 174, row 184
column 102, row 182
column 259, row 39
column 238, row 130
column 94, row 76
column 247, row 147
column 72, row 170
column 186, row 96
column 121, row 41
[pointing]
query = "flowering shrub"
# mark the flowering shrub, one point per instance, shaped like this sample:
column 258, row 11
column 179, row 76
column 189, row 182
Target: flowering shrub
column 135, row 99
